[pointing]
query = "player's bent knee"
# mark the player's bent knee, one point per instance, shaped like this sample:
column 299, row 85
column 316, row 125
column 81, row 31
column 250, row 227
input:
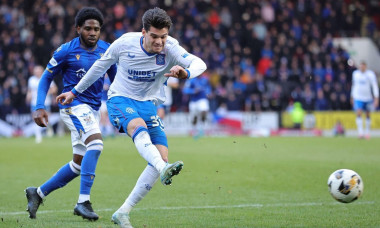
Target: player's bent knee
column 141, row 132
column 95, row 145
column 75, row 167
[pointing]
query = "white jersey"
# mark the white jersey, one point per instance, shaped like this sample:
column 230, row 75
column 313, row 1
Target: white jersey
column 140, row 75
column 33, row 88
column 363, row 85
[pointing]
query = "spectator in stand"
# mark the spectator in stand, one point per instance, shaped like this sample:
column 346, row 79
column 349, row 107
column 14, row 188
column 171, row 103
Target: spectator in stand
column 321, row 103
column 300, row 29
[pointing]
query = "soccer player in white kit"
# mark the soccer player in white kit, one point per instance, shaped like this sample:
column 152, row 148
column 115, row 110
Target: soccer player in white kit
column 364, row 97
column 145, row 61
column 31, row 97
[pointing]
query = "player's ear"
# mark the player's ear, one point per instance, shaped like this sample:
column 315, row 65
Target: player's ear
column 143, row 32
column 78, row 30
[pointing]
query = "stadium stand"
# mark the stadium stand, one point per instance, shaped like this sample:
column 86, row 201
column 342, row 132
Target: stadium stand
column 265, row 54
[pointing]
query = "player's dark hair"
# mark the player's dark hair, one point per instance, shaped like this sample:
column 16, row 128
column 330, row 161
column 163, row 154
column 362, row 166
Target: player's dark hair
column 87, row 13
column 157, row 18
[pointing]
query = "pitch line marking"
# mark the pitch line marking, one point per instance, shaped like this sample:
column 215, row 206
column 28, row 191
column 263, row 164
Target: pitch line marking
column 254, row 205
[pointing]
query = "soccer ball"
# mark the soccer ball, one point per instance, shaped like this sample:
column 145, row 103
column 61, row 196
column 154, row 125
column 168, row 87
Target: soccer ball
column 345, row 185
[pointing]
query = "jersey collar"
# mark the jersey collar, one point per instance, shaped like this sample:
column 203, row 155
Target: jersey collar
column 142, row 47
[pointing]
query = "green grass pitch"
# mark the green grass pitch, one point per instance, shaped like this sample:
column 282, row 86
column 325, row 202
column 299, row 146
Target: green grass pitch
column 226, row 182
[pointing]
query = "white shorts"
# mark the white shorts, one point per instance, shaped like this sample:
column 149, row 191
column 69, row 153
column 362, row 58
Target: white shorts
column 82, row 121
column 196, row 107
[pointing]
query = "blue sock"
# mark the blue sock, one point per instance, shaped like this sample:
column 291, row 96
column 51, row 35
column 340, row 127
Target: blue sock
column 87, row 174
column 60, row 179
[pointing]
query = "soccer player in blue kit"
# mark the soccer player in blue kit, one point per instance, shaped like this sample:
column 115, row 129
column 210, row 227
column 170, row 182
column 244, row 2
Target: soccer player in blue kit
column 198, row 90
column 73, row 60
column 145, row 61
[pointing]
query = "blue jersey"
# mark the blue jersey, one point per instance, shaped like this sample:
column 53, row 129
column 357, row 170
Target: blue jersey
column 72, row 62
column 197, row 88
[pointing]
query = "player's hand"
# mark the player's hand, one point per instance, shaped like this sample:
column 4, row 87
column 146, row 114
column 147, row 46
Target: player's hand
column 177, row 72
column 65, row 98
column 376, row 103
column 40, row 117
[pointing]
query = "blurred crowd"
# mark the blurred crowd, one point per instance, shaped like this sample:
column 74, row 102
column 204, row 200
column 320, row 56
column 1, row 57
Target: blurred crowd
column 261, row 54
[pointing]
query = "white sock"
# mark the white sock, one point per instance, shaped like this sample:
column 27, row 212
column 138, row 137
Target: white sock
column 149, row 151
column 203, row 125
column 38, row 134
column 367, row 126
column 40, row 193
column 144, row 184
column 359, row 124
column 82, row 198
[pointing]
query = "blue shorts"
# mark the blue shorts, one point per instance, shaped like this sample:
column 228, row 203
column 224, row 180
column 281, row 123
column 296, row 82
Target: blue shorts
column 363, row 105
column 121, row 110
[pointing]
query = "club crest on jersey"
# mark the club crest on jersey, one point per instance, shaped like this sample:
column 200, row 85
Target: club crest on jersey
column 53, row 62
column 160, row 59
column 80, row 73
column 77, row 56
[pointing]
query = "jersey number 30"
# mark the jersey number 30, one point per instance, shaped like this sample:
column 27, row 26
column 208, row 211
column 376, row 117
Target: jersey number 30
column 156, row 122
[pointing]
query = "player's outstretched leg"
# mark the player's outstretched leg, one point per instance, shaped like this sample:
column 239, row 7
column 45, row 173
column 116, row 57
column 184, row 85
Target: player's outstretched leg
column 85, row 210
column 169, row 171
column 122, row 219
column 34, row 201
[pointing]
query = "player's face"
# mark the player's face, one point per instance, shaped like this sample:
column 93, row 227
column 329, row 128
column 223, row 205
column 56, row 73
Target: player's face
column 89, row 32
column 155, row 39
column 363, row 67
column 38, row 70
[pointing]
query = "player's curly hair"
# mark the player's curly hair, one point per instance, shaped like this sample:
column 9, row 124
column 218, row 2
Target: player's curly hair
column 157, row 18
column 88, row 13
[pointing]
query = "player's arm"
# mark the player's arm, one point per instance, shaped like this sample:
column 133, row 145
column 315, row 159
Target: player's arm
column 54, row 66
column 111, row 72
column 352, row 88
column 40, row 115
column 97, row 70
column 28, row 98
column 194, row 66
column 375, row 90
